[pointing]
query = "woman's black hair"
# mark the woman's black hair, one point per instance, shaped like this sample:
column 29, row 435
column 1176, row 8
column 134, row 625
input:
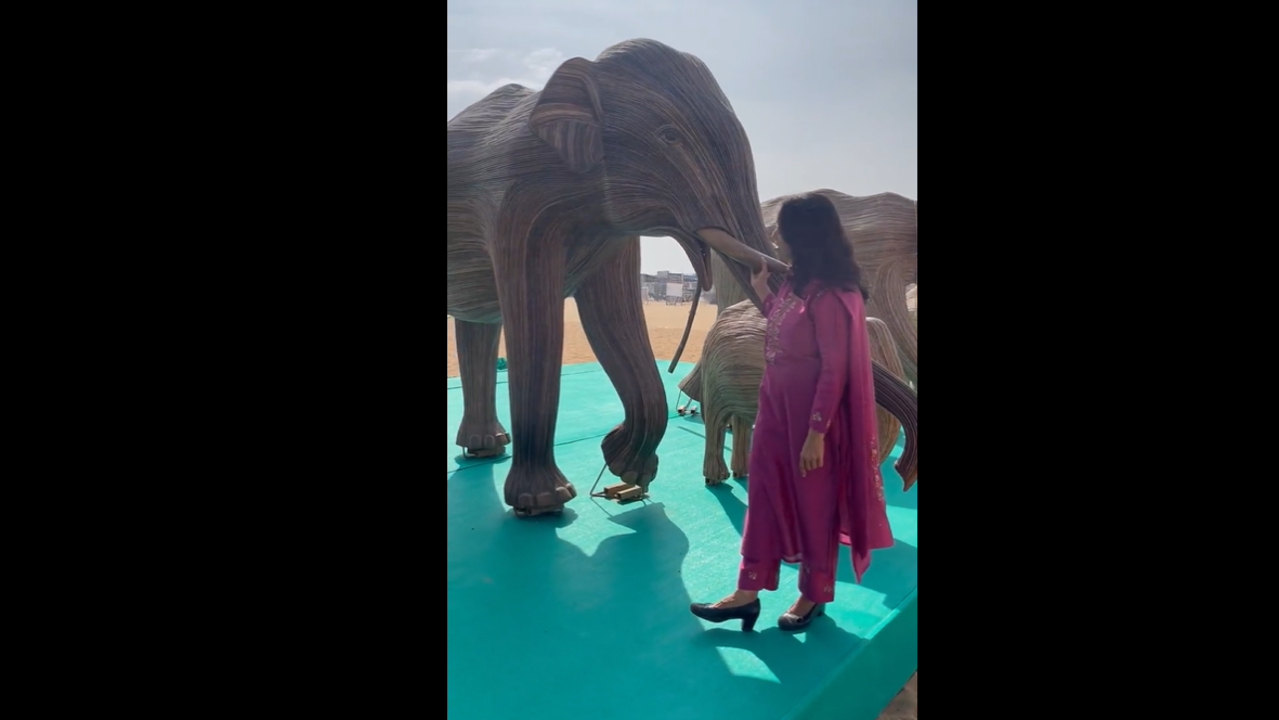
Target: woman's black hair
column 819, row 248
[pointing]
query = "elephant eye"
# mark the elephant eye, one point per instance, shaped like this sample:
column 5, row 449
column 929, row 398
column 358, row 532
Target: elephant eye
column 669, row 135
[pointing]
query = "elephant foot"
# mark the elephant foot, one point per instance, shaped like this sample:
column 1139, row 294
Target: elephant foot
column 624, row 462
column 537, row 490
column 483, row 439
column 715, row 471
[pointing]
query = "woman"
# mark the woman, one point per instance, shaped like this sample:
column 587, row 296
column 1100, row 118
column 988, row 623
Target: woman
column 814, row 478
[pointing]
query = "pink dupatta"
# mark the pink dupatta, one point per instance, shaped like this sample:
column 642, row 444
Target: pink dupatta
column 863, row 514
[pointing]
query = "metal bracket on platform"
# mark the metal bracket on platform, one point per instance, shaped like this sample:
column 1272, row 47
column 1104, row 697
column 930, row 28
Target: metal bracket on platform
column 688, row 409
column 623, row 492
column 620, row 493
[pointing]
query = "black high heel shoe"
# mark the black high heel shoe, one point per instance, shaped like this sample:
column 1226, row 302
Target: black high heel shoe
column 790, row 622
column 747, row 613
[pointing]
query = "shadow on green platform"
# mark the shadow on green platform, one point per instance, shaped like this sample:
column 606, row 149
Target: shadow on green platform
column 585, row 615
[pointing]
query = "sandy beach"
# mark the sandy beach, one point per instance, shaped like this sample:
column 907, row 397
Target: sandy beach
column 665, row 325
column 906, row 705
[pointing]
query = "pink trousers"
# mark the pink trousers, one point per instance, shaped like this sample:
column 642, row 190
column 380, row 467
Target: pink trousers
column 811, row 516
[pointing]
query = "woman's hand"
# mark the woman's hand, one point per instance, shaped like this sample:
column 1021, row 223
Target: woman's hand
column 759, row 280
column 811, row 455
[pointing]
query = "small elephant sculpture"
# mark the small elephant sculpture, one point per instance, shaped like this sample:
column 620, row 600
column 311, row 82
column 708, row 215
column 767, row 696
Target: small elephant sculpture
column 732, row 359
column 884, row 231
column 548, row 193
column 726, row 382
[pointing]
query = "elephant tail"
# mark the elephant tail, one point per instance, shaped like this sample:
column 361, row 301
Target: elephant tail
column 691, row 385
column 898, row 399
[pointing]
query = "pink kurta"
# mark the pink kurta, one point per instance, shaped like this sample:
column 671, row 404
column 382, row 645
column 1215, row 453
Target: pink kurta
column 818, row 376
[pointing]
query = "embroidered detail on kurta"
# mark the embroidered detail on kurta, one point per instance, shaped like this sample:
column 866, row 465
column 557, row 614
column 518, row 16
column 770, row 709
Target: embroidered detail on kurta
column 876, row 478
column 772, row 346
column 817, row 417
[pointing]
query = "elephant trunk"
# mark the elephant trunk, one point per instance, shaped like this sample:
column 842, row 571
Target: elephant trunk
column 888, row 303
column 899, row 400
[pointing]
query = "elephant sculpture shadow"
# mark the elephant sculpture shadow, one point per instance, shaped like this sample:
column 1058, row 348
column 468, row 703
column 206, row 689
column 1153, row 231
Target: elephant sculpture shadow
column 891, row 568
column 537, row 624
column 734, row 508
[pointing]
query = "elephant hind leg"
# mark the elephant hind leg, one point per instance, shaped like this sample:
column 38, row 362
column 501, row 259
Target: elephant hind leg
column 480, row 434
column 742, row 431
column 713, row 468
column 714, row 422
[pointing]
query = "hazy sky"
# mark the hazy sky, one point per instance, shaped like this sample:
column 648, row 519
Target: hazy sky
column 825, row 89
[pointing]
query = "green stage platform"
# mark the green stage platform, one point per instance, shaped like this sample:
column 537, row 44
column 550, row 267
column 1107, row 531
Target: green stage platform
column 585, row 615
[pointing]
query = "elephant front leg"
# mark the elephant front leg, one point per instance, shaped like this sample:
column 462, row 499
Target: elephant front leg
column 742, row 431
column 480, row 434
column 530, row 288
column 613, row 318
column 714, row 471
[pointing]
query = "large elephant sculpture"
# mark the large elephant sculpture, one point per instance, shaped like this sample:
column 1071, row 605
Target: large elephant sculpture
column 548, row 193
column 726, row 378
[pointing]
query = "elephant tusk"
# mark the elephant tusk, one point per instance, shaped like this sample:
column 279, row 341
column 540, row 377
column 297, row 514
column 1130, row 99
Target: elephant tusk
column 731, row 247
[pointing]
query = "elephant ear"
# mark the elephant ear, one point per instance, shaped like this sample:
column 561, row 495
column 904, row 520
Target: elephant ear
column 567, row 116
